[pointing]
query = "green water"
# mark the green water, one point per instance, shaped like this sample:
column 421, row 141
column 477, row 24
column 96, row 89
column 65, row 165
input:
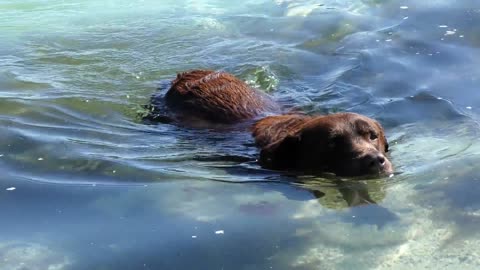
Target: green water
column 86, row 185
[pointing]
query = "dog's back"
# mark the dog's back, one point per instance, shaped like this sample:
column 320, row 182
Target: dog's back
column 217, row 97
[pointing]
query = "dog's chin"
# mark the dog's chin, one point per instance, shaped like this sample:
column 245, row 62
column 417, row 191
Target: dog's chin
column 354, row 171
column 385, row 172
column 381, row 174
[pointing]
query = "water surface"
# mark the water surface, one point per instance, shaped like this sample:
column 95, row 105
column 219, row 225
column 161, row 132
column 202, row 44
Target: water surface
column 86, row 184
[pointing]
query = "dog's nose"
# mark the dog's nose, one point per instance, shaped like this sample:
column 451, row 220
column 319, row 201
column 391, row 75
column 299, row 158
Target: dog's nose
column 375, row 161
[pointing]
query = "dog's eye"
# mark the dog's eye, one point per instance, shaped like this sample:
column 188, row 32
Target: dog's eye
column 373, row 136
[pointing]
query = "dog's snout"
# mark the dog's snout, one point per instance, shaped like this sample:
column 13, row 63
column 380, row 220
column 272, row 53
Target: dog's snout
column 374, row 161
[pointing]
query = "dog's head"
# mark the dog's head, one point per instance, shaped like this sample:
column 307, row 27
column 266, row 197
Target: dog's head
column 346, row 144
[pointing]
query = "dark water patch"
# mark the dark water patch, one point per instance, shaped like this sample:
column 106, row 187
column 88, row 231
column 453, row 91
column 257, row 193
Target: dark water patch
column 419, row 108
column 458, row 189
column 10, row 81
column 67, row 60
column 106, row 230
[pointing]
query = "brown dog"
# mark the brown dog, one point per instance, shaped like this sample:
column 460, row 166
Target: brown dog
column 344, row 143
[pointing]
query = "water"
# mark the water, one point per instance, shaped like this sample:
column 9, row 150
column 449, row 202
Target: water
column 86, row 185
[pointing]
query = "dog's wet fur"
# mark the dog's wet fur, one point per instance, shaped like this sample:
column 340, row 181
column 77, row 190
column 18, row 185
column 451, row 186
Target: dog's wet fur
column 346, row 144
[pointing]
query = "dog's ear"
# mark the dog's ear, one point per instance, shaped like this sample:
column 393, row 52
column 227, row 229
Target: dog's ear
column 385, row 142
column 281, row 154
column 382, row 135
